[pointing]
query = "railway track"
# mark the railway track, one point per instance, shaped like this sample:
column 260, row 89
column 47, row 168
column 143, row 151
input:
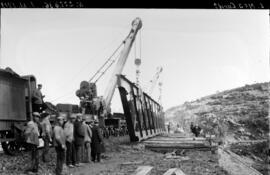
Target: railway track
column 235, row 164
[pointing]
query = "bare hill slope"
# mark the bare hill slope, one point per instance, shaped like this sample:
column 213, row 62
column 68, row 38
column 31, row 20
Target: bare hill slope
column 242, row 112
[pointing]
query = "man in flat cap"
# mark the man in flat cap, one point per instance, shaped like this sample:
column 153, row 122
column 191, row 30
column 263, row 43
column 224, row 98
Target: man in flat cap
column 46, row 135
column 69, row 132
column 59, row 144
column 79, row 139
column 32, row 139
column 97, row 140
column 87, row 141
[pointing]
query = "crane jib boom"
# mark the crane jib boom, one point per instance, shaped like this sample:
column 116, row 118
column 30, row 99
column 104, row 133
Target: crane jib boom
column 136, row 26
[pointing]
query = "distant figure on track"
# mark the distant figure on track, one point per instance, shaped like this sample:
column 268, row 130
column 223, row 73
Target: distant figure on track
column 179, row 129
column 195, row 129
column 192, row 127
column 169, row 128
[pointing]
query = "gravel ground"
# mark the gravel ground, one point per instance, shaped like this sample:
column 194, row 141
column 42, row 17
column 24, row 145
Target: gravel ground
column 122, row 159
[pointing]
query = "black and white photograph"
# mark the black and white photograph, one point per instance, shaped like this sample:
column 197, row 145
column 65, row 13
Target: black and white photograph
column 135, row 91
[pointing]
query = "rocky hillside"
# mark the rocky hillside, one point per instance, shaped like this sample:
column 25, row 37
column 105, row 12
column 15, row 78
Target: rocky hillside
column 241, row 113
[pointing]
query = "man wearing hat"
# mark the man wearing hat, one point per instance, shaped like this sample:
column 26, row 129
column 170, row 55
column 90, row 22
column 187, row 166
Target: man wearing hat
column 79, row 139
column 37, row 99
column 69, row 132
column 87, row 140
column 31, row 135
column 97, row 140
column 46, row 135
column 59, row 144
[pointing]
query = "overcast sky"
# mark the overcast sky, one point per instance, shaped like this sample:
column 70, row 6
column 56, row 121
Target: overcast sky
column 201, row 51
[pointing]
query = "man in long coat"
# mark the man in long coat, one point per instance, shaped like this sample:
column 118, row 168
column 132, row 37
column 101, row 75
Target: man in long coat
column 87, row 141
column 70, row 144
column 97, row 140
column 31, row 135
column 59, row 142
column 79, row 134
column 46, row 135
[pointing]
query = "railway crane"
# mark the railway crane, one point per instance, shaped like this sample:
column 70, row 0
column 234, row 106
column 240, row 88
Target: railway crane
column 100, row 106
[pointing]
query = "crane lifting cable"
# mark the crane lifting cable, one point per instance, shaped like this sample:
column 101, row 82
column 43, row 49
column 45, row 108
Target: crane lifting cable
column 107, row 63
column 103, row 72
column 89, row 89
column 155, row 79
column 137, row 60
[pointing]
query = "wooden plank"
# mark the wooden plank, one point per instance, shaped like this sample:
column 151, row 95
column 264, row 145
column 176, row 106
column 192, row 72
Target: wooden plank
column 174, row 171
column 179, row 147
column 174, row 142
column 177, row 135
column 169, row 149
column 150, row 140
column 143, row 170
column 177, row 138
column 176, row 145
column 132, row 163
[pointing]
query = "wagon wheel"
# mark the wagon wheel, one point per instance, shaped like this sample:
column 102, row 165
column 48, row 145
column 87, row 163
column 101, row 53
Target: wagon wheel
column 12, row 147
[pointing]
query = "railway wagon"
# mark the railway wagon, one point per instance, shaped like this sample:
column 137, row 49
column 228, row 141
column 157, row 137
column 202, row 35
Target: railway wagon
column 15, row 108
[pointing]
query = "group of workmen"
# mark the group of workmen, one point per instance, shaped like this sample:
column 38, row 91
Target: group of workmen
column 75, row 141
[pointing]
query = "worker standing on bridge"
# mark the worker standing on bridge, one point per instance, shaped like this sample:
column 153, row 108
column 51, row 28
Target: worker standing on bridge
column 31, row 136
column 59, row 144
column 169, row 127
column 196, row 130
column 46, row 135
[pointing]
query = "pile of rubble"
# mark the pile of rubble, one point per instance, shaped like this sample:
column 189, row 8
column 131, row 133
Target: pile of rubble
column 18, row 164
